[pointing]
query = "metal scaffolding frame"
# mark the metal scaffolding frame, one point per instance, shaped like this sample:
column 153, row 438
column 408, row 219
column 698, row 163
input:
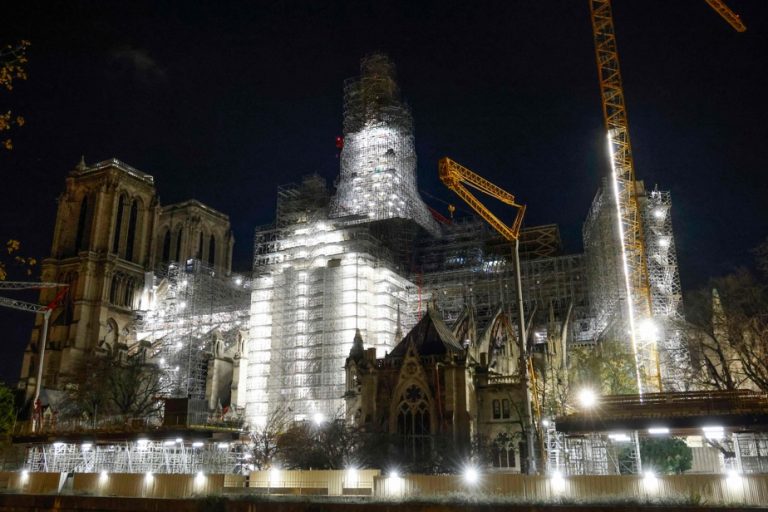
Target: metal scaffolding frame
column 140, row 456
column 377, row 179
column 662, row 354
column 194, row 315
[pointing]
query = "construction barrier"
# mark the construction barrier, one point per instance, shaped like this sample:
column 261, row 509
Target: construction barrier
column 695, row 489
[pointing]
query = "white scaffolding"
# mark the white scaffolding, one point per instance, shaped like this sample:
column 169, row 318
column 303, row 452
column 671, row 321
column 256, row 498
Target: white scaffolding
column 140, row 456
column 666, row 294
column 378, row 162
column 194, row 315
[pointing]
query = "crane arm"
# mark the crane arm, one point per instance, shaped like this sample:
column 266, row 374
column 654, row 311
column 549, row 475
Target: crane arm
column 454, row 175
column 22, row 306
column 727, row 14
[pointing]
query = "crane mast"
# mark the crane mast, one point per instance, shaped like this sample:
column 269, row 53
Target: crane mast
column 629, row 220
column 454, row 176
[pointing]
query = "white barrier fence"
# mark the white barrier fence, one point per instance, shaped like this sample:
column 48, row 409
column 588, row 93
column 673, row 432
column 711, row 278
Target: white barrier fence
column 694, row 489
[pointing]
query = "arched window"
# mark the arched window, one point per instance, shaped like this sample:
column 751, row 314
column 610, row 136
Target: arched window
column 83, row 226
column 167, row 246
column 212, row 251
column 118, row 224
column 132, row 218
column 413, row 423
column 179, row 234
column 113, row 289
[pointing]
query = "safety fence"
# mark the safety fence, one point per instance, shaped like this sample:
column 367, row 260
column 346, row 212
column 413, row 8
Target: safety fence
column 731, row 489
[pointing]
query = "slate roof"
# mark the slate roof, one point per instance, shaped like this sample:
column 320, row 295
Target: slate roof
column 431, row 336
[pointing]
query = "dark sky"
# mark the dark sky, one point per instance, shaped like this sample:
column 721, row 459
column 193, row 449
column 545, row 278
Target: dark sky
column 222, row 101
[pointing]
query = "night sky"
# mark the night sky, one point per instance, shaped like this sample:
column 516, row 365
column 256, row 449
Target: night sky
column 222, row 101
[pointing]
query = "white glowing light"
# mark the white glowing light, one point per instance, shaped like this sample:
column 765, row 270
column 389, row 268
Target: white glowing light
column 86, row 446
column 471, row 475
column 103, row 475
column 587, row 398
column 238, row 281
column 148, row 476
column 199, row 478
column 620, row 437
column 658, row 213
column 658, row 430
column 627, row 285
column 394, row 474
column 223, row 445
column 318, row 418
column 197, row 444
column 714, row 432
column 647, row 330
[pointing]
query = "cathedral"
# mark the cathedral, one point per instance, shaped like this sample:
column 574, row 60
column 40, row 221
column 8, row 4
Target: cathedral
column 362, row 303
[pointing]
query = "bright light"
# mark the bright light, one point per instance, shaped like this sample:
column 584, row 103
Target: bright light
column 647, row 330
column 223, row 445
column 558, row 481
column 620, row 437
column 182, row 305
column 734, row 478
column 587, row 398
column 168, row 443
column 716, row 432
column 664, row 242
column 142, row 442
column 545, row 423
column 352, row 477
column 148, row 476
column 318, row 418
column 199, row 478
column 658, row 213
column 471, row 475
column 58, row 444
column 103, row 475
column 24, row 475
column 86, row 446
column 658, row 430
column 650, row 476
column 197, row 444
column 239, row 281
column 393, row 473
column 179, row 440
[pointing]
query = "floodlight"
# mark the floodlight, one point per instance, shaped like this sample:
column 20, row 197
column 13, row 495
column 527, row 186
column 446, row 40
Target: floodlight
column 647, row 330
column 587, row 398
column 658, row 430
column 471, row 475
column 318, row 418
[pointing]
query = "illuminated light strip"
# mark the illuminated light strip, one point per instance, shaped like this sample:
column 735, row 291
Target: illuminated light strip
column 630, row 298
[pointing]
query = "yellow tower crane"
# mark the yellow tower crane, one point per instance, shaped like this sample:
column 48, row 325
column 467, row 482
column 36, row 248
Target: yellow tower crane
column 630, row 229
column 454, row 176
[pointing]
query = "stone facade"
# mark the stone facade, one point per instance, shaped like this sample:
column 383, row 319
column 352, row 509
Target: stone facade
column 433, row 388
column 107, row 242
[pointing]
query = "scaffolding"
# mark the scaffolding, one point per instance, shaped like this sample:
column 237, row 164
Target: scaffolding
column 470, row 265
column 174, row 455
column 661, row 342
column 666, row 294
column 315, row 284
column 194, row 317
column 377, row 179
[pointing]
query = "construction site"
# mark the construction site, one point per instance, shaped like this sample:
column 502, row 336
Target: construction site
column 368, row 259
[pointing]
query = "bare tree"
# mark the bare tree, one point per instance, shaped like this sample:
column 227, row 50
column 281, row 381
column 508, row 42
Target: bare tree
column 727, row 330
column 265, row 437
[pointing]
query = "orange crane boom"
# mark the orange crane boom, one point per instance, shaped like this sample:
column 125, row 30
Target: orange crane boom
column 727, row 14
column 454, row 175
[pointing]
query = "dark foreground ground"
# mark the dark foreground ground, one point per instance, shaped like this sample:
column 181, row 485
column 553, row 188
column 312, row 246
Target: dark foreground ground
column 59, row 503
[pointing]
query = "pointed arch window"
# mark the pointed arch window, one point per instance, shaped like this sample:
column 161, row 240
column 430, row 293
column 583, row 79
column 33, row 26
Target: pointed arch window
column 413, row 423
column 179, row 235
column 83, row 226
column 167, row 246
column 212, row 251
column 131, row 238
column 118, row 224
